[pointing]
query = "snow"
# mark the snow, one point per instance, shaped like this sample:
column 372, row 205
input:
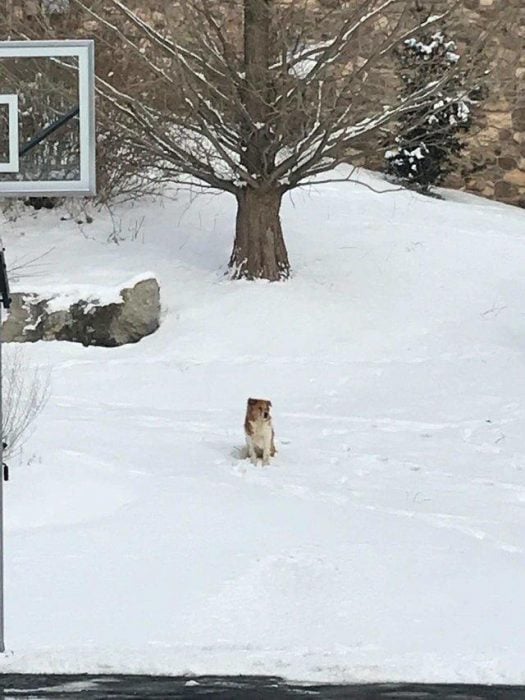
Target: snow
column 61, row 297
column 427, row 49
column 384, row 541
column 463, row 111
column 303, row 60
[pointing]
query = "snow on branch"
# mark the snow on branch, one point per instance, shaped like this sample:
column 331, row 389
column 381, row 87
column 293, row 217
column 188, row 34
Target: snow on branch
column 268, row 112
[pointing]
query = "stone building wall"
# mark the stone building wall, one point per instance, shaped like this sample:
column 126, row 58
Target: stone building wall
column 494, row 158
column 493, row 161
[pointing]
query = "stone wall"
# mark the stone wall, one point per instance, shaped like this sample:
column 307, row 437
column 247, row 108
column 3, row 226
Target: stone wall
column 494, row 160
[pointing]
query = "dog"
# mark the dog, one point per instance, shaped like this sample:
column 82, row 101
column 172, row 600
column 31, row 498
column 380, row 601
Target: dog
column 259, row 431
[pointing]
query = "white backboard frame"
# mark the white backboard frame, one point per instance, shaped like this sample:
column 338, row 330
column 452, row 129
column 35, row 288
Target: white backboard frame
column 12, row 164
column 84, row 51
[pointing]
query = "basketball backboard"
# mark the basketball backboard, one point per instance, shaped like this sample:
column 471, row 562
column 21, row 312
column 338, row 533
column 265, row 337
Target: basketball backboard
column 47, row 118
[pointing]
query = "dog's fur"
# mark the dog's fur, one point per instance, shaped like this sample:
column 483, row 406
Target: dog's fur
column 259, row 430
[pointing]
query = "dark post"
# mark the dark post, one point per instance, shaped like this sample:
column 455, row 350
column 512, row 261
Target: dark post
column 6, row 302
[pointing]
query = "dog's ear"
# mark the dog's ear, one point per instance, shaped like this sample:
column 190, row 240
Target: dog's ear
column 252, row 402
column 270, row 404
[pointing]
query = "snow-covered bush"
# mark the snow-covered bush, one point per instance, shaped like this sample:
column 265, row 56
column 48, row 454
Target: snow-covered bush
column 426, row 145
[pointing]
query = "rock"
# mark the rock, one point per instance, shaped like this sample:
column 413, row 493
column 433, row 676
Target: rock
column 488, row 136
column 500, row 120
column 507, row 163
column 134, row 314
column 518, row 118
column 515, row 177
column 505, row 191
column 455, row 181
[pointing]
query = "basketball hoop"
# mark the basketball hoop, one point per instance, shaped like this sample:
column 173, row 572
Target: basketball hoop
column 47, row 145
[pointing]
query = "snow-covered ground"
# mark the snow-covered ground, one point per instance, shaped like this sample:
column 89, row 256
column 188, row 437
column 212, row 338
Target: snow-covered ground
column 386, row 541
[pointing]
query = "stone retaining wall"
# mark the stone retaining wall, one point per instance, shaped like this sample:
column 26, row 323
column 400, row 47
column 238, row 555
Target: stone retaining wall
column 495, row 154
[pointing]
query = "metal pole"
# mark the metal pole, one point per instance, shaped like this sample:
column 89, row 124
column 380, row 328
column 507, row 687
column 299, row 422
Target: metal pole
column 6, row 303
column 2, row 645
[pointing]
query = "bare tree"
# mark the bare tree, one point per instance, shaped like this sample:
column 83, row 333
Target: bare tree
column 25, row 393
column 257, row 97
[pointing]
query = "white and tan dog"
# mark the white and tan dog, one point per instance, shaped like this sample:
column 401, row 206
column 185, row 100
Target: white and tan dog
column 259, row 430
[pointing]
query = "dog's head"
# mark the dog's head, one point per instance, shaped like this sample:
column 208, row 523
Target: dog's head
column 258, row 409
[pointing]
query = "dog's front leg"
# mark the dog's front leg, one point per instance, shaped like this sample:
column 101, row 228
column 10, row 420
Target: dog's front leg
column 266, row 452
column 251, row 450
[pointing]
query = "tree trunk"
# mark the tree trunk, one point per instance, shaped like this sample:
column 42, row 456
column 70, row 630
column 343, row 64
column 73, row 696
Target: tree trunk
column 257, row 27
column 259, row 251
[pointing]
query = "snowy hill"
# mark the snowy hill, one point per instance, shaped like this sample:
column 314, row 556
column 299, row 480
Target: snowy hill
column 384, row 542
